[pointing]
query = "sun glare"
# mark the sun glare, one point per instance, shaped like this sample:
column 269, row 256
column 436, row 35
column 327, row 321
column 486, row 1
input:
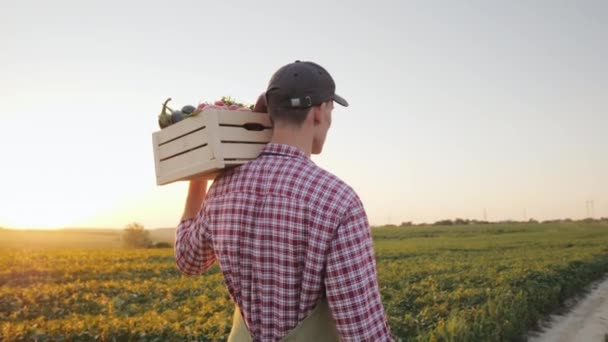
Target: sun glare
column 36, row 215
column 37, row 222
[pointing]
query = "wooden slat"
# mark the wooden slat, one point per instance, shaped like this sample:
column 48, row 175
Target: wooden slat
column 231, row 133
column 180, row 128
column 240, row 151
column 182, row 144
column 179, row 166
column 156, row 155
column 237, row 162
column 235, row 117
column 202, row 154
column 210, row 168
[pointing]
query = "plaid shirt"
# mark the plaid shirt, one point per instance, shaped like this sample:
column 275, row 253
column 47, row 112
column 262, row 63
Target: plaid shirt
column 287, row 233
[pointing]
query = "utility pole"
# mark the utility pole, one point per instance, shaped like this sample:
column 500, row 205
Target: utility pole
column 485, row 215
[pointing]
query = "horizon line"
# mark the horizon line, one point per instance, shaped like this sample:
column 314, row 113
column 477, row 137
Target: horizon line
column 403, row 223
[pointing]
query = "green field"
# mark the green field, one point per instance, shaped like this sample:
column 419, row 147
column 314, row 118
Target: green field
column 439, row 283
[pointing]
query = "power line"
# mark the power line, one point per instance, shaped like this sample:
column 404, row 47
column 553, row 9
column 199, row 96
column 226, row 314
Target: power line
column 590, row 207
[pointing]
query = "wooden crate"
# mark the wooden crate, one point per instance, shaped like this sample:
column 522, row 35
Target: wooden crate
column 209, row 142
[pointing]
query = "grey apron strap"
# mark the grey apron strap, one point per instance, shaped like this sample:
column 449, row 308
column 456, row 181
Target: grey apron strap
column 318, row 326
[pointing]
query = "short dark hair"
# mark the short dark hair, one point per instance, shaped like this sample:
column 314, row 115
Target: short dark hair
column 290, row 116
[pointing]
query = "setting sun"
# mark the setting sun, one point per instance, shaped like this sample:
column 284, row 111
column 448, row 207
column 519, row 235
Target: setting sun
column 39, row 214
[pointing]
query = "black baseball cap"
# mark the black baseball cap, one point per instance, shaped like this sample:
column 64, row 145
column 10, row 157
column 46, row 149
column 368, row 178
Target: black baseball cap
column 301, row 85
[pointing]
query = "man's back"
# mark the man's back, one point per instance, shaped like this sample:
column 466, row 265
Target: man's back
column 286, row 233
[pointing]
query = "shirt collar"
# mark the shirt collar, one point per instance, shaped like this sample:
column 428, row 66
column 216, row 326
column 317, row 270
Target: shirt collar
column 284, row 149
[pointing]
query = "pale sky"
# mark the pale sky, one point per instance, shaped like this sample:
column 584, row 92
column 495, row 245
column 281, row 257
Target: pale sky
column 456, row 106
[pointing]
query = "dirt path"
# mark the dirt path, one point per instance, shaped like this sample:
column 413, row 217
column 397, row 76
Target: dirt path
column 587, row 321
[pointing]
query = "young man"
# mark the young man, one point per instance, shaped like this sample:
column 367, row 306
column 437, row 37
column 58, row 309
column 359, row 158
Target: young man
column 292, row 240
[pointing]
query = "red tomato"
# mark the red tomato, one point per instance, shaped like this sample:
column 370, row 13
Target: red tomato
column 219, row 103
column 210, row 106
column 234, row 107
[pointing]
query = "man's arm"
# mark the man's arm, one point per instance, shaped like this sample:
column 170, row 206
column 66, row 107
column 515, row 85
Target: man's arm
column 197, row 191
column 351, row 281
column 193, row 251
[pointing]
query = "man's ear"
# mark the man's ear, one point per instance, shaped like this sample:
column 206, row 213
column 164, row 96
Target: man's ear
column 317, row 114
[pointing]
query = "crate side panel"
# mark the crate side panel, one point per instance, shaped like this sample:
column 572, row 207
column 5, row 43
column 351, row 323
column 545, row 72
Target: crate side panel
column 188, row 142
column 241, row 151
column 213, row 133
column 156, row 155
column 180, row 128
column 230, row 133
column 186, row 161
column 193, row 171
column 235, row 117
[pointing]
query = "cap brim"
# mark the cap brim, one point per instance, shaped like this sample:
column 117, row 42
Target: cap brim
column 340, row 100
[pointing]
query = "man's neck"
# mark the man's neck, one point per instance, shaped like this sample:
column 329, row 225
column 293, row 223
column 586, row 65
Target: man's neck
column 293, row 138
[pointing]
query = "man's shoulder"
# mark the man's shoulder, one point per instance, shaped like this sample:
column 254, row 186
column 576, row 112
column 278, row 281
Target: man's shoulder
column 308, row 178
column 333, row 186
column 329, row 178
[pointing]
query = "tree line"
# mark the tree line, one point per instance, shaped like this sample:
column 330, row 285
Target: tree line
column 460, row 222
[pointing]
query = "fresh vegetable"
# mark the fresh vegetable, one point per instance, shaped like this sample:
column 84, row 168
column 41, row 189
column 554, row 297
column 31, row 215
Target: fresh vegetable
column 212, row 106
column 164, row 119
column 188, row 109
column 229, row 101
column 168, row 116
column 177, row 116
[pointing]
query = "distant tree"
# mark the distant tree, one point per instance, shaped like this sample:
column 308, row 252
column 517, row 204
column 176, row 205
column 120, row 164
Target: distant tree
column 479, row 222
column 444, row 223
column 532, row 221
column 405, row 224
column 460, row 221
column 135, row 236
column 163, row 244
column 508, row 221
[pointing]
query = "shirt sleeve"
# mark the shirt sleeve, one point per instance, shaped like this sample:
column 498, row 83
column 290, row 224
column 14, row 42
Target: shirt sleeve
column 193, row 250
column 351, row 280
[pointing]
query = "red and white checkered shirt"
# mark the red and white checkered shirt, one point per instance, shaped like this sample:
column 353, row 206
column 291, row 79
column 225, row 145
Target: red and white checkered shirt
column 287, row 233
